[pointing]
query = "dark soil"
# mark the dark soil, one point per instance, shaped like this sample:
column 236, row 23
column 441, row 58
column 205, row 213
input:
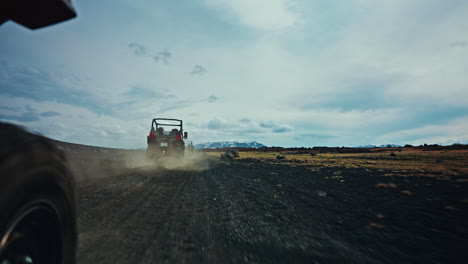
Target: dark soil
column 241, row 211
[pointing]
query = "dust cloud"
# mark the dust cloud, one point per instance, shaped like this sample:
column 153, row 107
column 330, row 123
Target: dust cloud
column 90, row 163
column 191, row 161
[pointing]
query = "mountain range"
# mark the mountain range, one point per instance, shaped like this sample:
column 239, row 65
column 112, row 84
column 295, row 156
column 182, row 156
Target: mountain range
column 229, row 144
column 255, row 144
column 379, row 146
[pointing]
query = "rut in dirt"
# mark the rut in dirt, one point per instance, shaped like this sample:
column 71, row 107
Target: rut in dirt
column 146, row 216
column 253, row 211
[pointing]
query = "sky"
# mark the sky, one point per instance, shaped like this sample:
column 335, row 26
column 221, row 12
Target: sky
column 291, row 73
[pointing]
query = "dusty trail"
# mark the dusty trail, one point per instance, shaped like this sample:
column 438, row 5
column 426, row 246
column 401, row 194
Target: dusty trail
column 145, row 216
column 250, row 211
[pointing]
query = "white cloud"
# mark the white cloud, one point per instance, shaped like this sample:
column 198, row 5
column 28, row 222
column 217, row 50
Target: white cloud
column 338, row 72
column 411, row 38
column 79, row 125
column 257, row 14
column 216, row 124
column 198, row 70
column 451, row 132
column 282, row 129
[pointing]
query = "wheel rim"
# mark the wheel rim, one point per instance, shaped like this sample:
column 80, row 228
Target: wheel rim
column 33, row 236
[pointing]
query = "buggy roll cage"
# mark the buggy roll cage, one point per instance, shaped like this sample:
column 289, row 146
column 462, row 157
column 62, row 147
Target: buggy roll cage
column 176, row 123
column 155, row 122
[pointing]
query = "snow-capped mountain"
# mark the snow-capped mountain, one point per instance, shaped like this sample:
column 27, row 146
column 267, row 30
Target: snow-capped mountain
column 229, row 144
column 379, row 146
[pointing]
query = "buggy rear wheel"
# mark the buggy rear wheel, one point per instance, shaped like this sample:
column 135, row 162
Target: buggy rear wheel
column 176, row 151
column 37, row 200
column 154, row 153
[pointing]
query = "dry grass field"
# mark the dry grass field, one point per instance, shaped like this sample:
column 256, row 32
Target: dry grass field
column 441, row 164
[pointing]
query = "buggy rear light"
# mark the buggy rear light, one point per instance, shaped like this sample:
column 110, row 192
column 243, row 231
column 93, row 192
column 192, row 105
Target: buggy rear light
column 150, row 135
column 179, row 136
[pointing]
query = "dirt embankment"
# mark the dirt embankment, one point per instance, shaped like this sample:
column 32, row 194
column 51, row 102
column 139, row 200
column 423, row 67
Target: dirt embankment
column 267, row 211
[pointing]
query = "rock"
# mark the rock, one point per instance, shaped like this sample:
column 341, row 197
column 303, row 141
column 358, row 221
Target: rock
column 321, row 193
column 392, row 154
column 230, row 154
column 280, row 157
column 339, row 220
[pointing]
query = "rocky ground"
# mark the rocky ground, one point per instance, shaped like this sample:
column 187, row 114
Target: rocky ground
column 250, row 210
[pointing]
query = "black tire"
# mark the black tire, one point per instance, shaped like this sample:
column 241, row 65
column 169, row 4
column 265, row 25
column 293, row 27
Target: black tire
column 154, row 152
column 176, row 151
column 37, row 200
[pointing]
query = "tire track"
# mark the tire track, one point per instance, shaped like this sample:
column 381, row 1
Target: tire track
column 133, row 222
column 100, row 199
column 190, row 233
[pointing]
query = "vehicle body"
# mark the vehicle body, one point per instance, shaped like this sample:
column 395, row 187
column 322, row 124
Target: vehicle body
column 36, row 14
column 189, row 146
column 38, row 221
column 166, row 137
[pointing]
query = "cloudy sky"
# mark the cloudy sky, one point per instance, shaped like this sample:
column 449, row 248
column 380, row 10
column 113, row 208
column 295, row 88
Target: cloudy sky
column 281, row 72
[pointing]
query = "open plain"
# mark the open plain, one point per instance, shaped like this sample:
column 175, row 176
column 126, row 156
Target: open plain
column 376, row 207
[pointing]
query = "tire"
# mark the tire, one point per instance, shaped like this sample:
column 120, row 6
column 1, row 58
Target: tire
column 37, row 200
column 154, row 152
column 176, row 151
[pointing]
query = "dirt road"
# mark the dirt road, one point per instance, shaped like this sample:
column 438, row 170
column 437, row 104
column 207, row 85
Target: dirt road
column 252, row 211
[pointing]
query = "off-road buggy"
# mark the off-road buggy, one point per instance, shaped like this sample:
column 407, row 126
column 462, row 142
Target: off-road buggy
column 166, row 138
